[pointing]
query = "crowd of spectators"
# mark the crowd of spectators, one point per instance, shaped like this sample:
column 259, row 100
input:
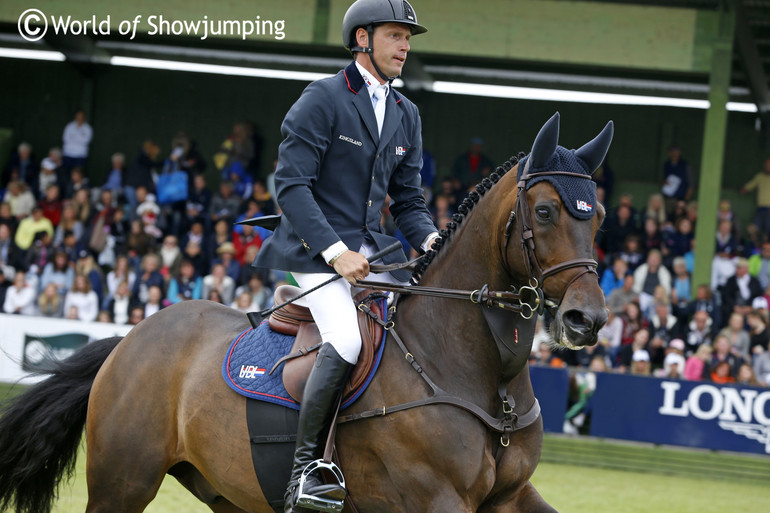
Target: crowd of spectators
column 127, row 247
column 122, row 249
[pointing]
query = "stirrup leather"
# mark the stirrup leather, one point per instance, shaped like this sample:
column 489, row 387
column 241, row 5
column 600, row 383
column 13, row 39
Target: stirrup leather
column 305, row 500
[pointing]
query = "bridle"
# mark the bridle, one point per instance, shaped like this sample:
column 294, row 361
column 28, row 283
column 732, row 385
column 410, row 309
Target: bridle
column 537, row 274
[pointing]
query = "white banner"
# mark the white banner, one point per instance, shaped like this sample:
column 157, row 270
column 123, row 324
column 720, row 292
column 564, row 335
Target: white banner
column 26, row 341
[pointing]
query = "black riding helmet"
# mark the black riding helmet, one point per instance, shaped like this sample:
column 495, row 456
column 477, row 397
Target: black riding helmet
column 369, row 13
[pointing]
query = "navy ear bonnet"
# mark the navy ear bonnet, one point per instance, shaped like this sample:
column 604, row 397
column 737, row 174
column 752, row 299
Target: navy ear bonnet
column 577, row 194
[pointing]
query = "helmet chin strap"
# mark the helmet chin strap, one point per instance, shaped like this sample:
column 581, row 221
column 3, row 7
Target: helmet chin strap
column 370, row 50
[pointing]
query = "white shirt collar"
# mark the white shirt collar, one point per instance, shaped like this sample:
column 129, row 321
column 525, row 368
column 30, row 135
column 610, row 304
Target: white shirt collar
column 371, row 82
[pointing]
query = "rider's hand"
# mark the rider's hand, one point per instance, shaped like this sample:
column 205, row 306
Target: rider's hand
column 352, row 266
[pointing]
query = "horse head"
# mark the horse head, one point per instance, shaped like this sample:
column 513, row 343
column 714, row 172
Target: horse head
column 551, row 229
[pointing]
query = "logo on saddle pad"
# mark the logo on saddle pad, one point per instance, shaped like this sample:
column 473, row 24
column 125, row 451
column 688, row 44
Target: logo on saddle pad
column 584, row 206
column 251, row 371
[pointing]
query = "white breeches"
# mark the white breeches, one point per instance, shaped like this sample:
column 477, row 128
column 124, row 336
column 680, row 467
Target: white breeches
column 333, row 308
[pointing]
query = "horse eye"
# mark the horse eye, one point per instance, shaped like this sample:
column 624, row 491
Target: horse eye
column 543, row 213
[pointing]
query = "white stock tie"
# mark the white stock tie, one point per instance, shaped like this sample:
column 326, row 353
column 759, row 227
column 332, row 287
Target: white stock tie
column 378, row 100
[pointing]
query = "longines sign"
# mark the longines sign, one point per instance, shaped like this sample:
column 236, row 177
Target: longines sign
column 698, row 414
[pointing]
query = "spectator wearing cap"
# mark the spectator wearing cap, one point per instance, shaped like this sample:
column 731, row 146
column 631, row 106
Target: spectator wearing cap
column 761, row 182
column 640, row 363
column 740, row 290
column 30, row 226
column 226, row 257
column 473, row 165
column 46, row 178
column 673, row 366
column 20, row 298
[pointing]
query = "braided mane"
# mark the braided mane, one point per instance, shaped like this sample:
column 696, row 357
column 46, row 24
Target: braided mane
column 462, row 212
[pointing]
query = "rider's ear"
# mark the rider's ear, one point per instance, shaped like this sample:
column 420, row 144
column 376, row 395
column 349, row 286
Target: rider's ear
column 593, row 152
column 362, row 37
column 545, row 143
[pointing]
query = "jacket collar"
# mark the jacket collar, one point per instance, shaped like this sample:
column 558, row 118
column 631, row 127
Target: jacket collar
column 355, row 81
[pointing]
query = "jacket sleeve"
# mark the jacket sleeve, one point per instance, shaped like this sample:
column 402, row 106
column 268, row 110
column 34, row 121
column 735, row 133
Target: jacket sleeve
column 408, row 207
column 307, row 131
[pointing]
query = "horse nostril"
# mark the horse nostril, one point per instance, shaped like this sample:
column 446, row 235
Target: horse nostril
column 577, row 321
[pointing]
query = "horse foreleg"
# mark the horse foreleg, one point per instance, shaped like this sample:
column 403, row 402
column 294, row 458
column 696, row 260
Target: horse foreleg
column 524, row 500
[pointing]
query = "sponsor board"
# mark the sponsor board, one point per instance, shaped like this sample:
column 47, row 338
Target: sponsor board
column 689, row 413
column 28, row 343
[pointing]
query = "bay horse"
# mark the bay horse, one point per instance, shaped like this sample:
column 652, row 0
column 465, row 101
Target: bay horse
column 154, row 403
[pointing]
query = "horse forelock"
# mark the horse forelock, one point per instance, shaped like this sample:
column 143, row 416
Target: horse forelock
column 463, row 210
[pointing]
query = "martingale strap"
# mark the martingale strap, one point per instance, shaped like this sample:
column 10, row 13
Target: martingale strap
column 505, row 425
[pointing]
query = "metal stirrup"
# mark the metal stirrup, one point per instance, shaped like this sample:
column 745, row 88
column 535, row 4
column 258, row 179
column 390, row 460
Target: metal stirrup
column 305, row 500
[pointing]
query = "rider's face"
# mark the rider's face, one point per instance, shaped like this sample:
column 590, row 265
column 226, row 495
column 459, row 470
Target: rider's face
column 391, row 44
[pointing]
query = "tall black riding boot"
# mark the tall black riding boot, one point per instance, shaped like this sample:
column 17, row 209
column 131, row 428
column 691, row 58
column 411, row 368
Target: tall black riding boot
column 324, row 385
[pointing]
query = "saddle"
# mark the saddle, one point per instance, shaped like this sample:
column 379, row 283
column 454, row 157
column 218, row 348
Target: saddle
column 296, row 320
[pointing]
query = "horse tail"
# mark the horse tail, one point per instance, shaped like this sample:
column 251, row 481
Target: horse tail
column 40, row 430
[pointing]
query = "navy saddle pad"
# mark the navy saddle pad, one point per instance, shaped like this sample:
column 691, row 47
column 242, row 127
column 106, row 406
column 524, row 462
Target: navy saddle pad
column 254, row 352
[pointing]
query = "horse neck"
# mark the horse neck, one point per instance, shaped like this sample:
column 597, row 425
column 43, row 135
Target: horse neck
column 450, row 335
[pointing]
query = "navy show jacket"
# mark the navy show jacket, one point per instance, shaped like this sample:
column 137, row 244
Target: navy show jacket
column 334, row 172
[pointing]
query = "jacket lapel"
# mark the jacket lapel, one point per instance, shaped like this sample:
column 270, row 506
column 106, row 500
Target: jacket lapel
column 362, row 100
column 393, row 117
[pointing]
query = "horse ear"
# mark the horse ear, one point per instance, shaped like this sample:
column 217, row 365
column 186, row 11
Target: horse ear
column 594, row 151
column 545, row 142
